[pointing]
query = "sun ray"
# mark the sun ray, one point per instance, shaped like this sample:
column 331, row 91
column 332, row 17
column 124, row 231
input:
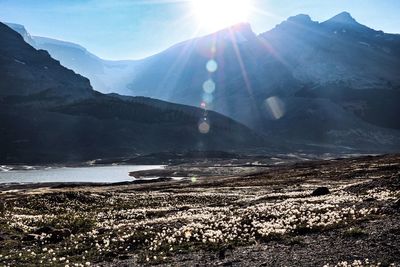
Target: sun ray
column 179, row 63
column 241, row 64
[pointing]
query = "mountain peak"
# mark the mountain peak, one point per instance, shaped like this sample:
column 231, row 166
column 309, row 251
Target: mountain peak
column 301, row 19
column 294, row 22
column 15, row 26
column 343, row 18
column 22, row 31
column 243, row 28
column 240, row 32
column 343, row 21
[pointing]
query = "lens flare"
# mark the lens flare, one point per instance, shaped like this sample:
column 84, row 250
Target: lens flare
column 204, row 127
column 208, row 98
column 212, row 66
column 275, row 107
column 209, row 86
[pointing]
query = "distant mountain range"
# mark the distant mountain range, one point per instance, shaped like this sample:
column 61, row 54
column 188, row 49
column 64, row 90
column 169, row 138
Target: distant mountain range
column 324, row 85
column 50, row 114
column 105, row 75
column 331, row 83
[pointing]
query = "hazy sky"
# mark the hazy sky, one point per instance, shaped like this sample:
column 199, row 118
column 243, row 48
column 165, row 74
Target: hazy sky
column 131, row 29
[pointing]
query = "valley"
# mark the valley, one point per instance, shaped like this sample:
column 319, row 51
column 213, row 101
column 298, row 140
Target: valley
column 232, row 148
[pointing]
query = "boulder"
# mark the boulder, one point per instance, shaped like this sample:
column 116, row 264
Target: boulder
column 321, row 191
column 45, row 230
column 55, row 235
column 30, row 237
column 59, row 235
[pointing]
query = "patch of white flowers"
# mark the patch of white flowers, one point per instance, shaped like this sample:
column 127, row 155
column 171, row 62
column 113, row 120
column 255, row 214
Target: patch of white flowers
column 158, row 221
column 357, row 263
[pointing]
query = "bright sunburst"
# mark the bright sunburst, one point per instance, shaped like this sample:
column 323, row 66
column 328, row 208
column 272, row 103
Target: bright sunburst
column 218, row 14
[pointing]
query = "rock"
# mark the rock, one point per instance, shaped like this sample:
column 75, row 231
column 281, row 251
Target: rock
column 56, row 235
column 30, row 237
column 2, row 236
column 111, row 254
column 102, row 231
column 224, row 251
column 19, row 230
column 45, row 230
column 59, row 235
column 396, row 205
column 321, row 191
column 124, row 257
column 2, row 207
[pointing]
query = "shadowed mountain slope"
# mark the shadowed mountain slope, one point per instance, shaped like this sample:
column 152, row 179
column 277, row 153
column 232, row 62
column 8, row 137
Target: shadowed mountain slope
column 330, row 83
column 50, row 114
column 105, row 75
column 335, row 83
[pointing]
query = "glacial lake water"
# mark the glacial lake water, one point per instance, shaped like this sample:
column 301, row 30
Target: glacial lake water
column 96, row 174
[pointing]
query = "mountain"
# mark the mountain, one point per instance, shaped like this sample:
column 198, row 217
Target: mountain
column 105, row 75
column 50, row 114
column 179, row 73
column 23, row 32
column 338, row 58
column 337, row 50
column 331, row 83
column 26, row 71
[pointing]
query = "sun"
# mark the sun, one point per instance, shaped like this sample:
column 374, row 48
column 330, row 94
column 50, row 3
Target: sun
column 218, row 14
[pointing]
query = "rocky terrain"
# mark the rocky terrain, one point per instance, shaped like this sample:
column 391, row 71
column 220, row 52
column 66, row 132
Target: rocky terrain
column 341, row 212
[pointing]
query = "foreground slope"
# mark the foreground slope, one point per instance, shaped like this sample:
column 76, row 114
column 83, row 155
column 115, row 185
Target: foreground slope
column 49, row 113
column 265, row 218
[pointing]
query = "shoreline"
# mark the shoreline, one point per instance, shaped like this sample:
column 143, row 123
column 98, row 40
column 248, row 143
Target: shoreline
column 72, row 185
column 190, row 158
column 208, row 168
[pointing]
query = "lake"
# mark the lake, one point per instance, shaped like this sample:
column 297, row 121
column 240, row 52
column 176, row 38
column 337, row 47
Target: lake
column 102, row 174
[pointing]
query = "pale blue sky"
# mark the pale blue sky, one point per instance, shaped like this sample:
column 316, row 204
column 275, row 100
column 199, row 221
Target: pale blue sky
column 131, row 29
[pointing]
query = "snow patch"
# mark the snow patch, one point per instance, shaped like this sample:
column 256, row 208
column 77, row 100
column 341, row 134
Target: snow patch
column 364, row 43
column 20, row 62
